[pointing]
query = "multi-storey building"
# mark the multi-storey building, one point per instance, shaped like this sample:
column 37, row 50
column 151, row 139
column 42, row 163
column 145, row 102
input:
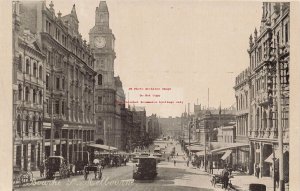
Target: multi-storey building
column 28, row 92
column 242, row 96
column 102, row 42
column 68, row 80
column 170, row 126
column 266, row 51
column 153, row 126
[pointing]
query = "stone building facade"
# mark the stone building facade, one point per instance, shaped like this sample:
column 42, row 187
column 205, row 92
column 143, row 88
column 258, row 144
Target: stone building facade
column 242, row 96
column 68, row 81
column 265, row 50
column 28, row 92
column 108, row 116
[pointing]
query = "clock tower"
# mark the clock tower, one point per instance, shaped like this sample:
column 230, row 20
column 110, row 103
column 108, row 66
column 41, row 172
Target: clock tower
column 102, row 43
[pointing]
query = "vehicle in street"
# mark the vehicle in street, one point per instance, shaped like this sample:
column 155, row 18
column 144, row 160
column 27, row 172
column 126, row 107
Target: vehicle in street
column 145, row 169
column 57, row 164
column 96, row 168
column 218, row 180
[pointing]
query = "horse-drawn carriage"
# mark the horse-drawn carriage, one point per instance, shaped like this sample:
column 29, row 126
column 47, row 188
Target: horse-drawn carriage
column 57, row 164
column 96, row 168
column 219, row 179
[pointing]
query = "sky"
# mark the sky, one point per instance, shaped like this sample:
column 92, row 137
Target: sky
column 187, row 46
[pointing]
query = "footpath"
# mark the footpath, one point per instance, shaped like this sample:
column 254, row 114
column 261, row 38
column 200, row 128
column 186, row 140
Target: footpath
column 240, row 181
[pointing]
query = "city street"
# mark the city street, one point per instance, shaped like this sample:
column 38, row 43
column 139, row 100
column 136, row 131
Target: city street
column 171, row 177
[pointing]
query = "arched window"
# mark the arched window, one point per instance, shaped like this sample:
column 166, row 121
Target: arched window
column 27, row 66
column 19, row 125
column 20, row 92
column 41, row 72
column 27, row 126
column 41, row 97
column 33, row 125
column 34, row 69
column 100, row 79
column 27, row 93
column 34, row 96
column 20, row 63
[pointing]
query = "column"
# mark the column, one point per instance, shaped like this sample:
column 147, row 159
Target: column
column 261, row 159
column 36, row 156
column 82, row 144
column 22, row 157
column 67, row 145
column 29, row 157
column 15, row 155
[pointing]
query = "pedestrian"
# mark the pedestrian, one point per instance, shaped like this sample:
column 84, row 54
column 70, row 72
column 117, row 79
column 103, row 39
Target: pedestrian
column 211, row 168
column 168, row 159
column 174, row 162
column 42, row 168
column 257, row 170
column 225, row 177
column 187, row 163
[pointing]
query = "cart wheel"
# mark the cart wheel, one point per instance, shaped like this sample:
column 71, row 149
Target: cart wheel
column 85, row 175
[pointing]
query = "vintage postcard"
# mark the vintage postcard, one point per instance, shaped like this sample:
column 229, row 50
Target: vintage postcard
column 150, row 95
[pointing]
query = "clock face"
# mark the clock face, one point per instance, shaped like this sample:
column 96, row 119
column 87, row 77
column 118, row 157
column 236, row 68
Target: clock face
column 100, row 42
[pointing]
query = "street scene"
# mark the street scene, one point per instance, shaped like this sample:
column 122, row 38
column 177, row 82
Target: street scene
column 164, row 95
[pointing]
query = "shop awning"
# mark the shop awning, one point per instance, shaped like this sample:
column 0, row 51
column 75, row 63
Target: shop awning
column 228, row 146
column 196, row 148
column 226, row 155
column 270, row 158
column 103, row 147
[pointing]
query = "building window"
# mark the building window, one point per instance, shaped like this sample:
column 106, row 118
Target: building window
column 41, row 97
column 33, row 125
column 47, row 81
column 20, row 63
column 47, row 106
column 100, row 79
column 41, row 72
column 27, row 66
column 19, row 125
column 34, row 69
column 34, row 96
column 27, row 93
column 286, row 27
column 99, row 99
column 57, row 83
column 63, row 107
column 57, row 107
column 27, row 126
column 20, row 91
column 40, row 126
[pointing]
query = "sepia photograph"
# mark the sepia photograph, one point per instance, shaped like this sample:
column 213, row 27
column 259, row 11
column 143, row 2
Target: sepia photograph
column 150, row 95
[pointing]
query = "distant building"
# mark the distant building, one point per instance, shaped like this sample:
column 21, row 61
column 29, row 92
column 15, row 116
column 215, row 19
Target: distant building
column 170, row 126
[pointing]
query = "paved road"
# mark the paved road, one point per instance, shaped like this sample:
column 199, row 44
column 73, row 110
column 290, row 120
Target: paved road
column 169, row 177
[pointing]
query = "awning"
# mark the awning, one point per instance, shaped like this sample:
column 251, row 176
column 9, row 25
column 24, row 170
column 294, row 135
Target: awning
column 103, row 147
column 226, row 155
column 201, row 153
column 229, row 146
column 196, row 148
column 270, row 158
